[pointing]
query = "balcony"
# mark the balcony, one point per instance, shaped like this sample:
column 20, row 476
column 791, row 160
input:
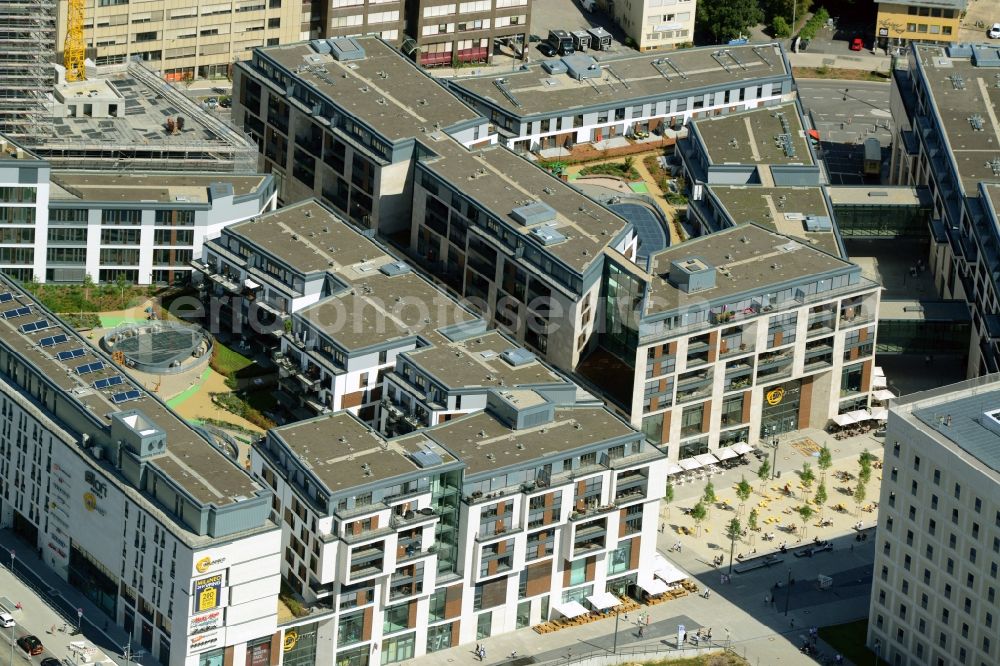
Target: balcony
column 592, row 511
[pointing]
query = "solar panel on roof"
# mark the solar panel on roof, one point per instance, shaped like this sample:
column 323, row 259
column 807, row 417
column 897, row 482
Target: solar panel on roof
column 39, row 325
column 108, row 383
column 53, row 340
column 16, row 312
column 6, row 297
column 87, row 368
column 125, row 396
column 72, row 353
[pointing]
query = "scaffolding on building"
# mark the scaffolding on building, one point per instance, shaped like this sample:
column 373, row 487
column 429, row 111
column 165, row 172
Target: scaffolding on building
column 27, row 70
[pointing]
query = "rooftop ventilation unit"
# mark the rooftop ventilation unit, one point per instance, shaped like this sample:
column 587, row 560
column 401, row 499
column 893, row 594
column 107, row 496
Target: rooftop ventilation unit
column 547, row 235
column 395, row 268
column 692, row 275
column 533, row 213
column 818, row 223
column 425, row 458
column 518, row 356
column 344, row 49
column 554, row 66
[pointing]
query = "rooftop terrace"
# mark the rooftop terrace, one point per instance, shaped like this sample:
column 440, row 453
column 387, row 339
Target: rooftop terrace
column 967, row 98
column 383, row 89
column 128, row 186
column 767, row 135
column 781, row 209
column 649, row 75
column 93, row 382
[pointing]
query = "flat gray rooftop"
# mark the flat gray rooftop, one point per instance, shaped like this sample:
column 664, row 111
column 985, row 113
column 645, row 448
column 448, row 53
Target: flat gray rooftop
column 882, row 195
column 379, row 308
column 781, row 209
column 501, row 181
column 960, row 422
column 189, row 460
column 475, row 362
column 753, row 137
column 129, row 186
column 344, row 453
column 310, row 238
column 755, row 259
column 961, row 92
column 384, row 89
column 649, row 75
column 473, row 438
column 11, row 150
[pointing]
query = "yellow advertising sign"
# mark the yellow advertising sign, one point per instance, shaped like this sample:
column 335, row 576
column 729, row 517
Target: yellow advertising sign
column 774, row 396
column 207, row 592
column 291, row 638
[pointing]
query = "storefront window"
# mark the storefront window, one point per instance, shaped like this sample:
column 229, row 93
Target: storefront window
column 259, row 652
column 213, row 658
column 300, row 646
column 619, row 560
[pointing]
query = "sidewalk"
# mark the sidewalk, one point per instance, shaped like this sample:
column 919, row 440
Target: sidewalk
column 865, row 62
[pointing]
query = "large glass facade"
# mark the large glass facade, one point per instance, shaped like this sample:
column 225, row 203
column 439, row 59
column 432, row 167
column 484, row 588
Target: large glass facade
column 300, row 646
column 864, row 220
column 780, row 412
column 624, row 295
column 445, row 498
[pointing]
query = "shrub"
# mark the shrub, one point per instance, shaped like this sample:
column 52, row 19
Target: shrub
column 781, row 27
column 233, row 403
column 812, row 26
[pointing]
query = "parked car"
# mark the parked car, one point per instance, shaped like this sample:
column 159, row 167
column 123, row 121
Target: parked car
column 49, row 661
column 6, row 620
column 212, row 102
column 994, row 31
column 803, row 44
column 534, row 39
column 30, row 644
column 857, row 44
column 225, row 102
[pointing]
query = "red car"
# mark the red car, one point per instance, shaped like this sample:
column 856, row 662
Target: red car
column 857, row 44
column 30, row 644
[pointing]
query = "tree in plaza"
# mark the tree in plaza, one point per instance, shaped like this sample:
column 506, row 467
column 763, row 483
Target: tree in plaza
column 825, row 461
column 763, row 474
column 864, row 475
column 743, row 491
column 728, row 20
column 668, row 496
column 820, row 497
column 859, row 497
column 805, row 513
column 708, row 495
column 733, row 532
column 752, row 526
column 698, row 514
column 807, row 476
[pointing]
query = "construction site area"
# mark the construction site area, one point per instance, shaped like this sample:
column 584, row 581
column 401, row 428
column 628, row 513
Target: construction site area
column 120, row 116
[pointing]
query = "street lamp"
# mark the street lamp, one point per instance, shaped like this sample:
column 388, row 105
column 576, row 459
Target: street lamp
column 774, row 459
column 878, row 651
column 614, row 649
column 79, row 619
column 788, row 590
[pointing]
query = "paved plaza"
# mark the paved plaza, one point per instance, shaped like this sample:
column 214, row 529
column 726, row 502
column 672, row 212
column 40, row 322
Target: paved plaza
column 736, row 612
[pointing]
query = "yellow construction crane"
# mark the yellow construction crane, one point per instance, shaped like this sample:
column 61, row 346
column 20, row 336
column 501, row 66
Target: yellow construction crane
column 73, row 47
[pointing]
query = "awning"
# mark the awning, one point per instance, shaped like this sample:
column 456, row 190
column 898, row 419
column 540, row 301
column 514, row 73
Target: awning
column 878, row 372
column 674, row 468
column 880, row 413
column 843, row 419
column 666, row 571
column 879, row 382
column 704, row 459
column 653, row 587
column 883, row 394
column 742, row 448
column 571, row 609
column 860, row 415
column 688, row 464
column 604, row 600
column 250, row 284
column 814, row 134
column 725, row 454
